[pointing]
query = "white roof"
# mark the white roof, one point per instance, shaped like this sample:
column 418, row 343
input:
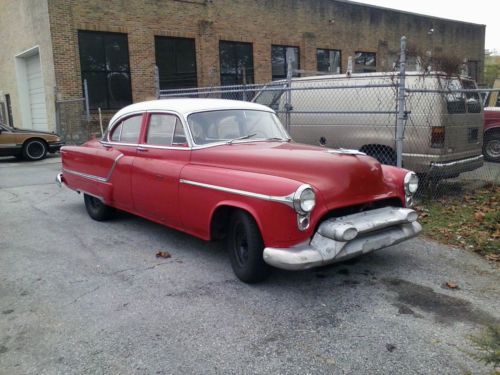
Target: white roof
column 185, row 106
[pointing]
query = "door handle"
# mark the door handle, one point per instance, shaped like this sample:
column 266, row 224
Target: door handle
column 143, row 149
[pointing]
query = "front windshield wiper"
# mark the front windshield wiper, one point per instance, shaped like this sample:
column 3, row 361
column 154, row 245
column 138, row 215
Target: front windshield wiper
column 240, row 138
column 278, row 139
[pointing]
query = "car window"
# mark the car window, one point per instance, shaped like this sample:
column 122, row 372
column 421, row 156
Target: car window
column 128, row 130
column 165, row 130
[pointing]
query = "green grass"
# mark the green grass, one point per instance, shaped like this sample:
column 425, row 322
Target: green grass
column 471, row 220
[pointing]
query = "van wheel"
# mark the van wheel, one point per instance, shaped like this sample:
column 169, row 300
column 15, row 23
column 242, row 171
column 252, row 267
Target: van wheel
column 491, row 147
column 246, row 249
column 96, row 209
column 384, row 155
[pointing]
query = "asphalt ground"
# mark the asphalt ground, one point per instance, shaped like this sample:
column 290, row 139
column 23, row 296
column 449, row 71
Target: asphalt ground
column 82, row 297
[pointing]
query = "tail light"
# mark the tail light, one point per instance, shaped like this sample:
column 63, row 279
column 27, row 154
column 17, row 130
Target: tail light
column 437, row 137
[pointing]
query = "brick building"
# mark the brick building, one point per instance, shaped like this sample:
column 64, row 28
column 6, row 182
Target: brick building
column 49, row 47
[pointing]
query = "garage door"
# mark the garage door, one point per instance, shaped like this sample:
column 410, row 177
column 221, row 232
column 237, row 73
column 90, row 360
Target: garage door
column 36, row 93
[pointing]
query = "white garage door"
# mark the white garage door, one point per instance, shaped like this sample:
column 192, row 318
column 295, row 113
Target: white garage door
column 36, row 93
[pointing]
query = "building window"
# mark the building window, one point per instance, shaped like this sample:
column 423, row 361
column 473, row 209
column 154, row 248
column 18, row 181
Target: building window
column 365, row 62
column 280, row 62
column 176, row 62
column 236, row 63
column 105, row 65
column 328, row 60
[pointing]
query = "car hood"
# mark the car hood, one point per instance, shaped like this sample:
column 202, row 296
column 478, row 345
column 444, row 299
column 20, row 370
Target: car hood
column 337, row 176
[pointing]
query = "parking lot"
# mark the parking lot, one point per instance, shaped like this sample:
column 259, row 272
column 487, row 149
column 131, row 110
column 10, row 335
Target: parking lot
column 78, row 296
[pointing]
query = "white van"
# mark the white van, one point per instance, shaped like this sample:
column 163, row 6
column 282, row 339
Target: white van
column 443, row 133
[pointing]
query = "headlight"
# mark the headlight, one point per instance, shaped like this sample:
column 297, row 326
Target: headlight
column 304, row 199
column 411, row 183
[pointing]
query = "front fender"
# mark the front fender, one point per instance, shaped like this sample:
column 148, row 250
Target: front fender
column 200, row 196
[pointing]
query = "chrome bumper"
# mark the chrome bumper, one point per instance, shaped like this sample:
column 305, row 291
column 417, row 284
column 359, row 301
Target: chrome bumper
column 375, row 229
column 59, row 179
column 453, row 168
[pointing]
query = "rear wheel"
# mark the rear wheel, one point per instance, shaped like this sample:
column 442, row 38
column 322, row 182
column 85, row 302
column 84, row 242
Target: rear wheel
column 246, row 248
column 491, row 147
column 96, row 209
column 34, row 149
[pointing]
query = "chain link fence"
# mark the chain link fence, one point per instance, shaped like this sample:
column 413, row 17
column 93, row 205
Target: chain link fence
column 440, row 118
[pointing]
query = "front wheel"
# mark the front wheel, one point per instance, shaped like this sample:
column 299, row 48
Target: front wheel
column 246, row 249
column 34, row 149
column 491, row 147
column 96, row 209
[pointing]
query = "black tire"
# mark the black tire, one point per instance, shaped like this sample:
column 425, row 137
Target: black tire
column 96, row 209
column 491, row 147
column 383, row 155
column 34, row 149
column 246, row 248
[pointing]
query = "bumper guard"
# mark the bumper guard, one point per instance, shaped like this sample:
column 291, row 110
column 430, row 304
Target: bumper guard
column 374, row 229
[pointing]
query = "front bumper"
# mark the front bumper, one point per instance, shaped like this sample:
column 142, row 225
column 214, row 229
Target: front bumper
column 376, row 229
column 454, row 168
column 55, row 146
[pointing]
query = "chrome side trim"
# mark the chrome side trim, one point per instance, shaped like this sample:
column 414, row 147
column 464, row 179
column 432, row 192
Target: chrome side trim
column 288, row 200
column 180, row 148
column 10, row 145
column 93, row 177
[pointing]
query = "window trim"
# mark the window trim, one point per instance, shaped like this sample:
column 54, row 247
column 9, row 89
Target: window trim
column 105, row 71
column 284, row 47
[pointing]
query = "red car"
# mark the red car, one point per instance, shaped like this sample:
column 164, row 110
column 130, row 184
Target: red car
column 221, row 169
column 491, row 145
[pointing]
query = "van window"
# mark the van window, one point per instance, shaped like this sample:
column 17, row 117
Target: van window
column 473, row 99
column 455, row 101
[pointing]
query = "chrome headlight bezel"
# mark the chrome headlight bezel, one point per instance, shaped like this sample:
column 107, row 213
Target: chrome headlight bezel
column 410, row 183
column 304, row 200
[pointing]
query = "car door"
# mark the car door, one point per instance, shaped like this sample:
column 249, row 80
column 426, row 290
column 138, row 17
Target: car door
column 161, row 155
column 121, row 145
column 9, row 142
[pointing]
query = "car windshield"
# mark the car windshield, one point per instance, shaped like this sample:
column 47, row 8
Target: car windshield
column 236, row 125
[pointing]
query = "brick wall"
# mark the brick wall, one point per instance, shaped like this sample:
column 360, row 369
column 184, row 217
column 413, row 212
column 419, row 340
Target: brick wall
column 308, row 24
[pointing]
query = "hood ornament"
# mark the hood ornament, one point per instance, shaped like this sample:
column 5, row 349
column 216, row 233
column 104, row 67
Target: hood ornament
column 345, row 151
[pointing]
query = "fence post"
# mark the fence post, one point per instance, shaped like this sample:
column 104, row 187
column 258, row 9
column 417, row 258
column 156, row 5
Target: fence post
column 290, row 57
column 401, row 120
column 86, row 95
column 157, row 82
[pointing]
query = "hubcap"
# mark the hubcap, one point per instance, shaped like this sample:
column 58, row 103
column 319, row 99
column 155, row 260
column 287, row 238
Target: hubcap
column 241, row 245
column 35, row 150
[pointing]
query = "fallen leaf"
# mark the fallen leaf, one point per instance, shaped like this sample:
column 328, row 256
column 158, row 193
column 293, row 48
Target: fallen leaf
column 493, row 257
column 163, row 254
column 451, row 285
column 479, row 216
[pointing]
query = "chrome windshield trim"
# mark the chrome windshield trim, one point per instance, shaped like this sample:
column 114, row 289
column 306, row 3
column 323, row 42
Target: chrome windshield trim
column 287, row 200
column 94, row 177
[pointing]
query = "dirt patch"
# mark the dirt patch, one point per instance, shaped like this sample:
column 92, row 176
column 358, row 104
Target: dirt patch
column 446, row 309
